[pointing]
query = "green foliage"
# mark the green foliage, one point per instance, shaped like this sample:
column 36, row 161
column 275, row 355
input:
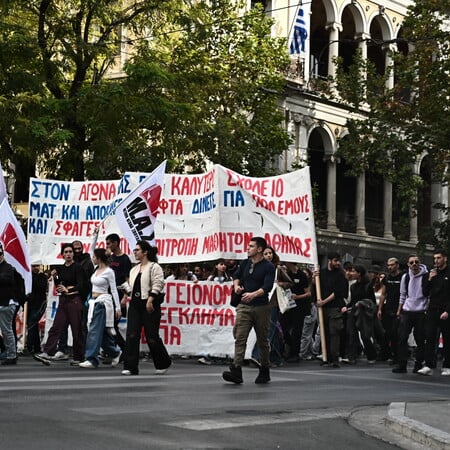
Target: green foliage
column 194, row 90
column 221, row 64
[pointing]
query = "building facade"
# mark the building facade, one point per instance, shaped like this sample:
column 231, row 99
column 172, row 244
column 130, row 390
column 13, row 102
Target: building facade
column 357, row 216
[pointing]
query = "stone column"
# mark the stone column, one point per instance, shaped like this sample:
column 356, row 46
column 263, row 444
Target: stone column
column 389, row 62
column 360, row 208
column 333, row 45
column 331, row 192
column 388, row 210
column 413, row 234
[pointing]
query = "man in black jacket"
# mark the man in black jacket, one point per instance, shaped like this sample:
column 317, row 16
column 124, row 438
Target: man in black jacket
column 437, row 287
column 334, row 287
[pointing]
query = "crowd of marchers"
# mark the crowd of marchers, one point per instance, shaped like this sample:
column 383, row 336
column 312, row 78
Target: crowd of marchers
column 340, row 314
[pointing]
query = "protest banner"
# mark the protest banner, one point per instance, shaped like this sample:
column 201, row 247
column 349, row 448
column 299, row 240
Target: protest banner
column 201, row 217
column 197, row 318
column 215, row 214
column 64, row 211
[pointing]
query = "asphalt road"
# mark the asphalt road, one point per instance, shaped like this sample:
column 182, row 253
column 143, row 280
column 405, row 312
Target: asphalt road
column 191, row 407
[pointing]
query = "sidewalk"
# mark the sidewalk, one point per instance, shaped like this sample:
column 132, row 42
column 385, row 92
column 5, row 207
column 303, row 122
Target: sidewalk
column 424, row 422
column 409, row 425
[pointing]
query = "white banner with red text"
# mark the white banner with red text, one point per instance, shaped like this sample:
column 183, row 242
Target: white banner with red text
column 201, row 217
column 196, row 319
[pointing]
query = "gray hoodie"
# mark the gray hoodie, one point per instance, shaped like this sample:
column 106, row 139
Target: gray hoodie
column 412, row 297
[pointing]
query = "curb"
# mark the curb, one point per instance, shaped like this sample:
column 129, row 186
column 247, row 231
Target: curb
column 397, row 421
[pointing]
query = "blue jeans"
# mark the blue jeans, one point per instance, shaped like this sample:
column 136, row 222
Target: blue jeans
column 98, row 337
column 275, row 346
column 6, row 316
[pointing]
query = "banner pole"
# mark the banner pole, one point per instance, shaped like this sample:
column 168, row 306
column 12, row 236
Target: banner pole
column 323, row 343
column 24, row 326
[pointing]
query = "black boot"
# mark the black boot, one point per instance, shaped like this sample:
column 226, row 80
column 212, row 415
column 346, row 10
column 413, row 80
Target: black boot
column 234, row 375
column 263, row 376
column 401, row 368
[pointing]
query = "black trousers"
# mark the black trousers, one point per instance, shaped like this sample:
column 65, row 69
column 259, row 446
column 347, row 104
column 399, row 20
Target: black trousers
column 390, row 323
column 433, row 324
column 415, row 322
column 137, row 318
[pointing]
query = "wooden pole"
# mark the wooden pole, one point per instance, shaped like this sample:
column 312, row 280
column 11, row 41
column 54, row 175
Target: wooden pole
column 323, row 343
column 24, row 326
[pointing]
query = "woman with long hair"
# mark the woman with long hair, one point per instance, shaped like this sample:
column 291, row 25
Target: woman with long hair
column 104, row 306
column 276, row 338
column 144, row 310
column 220, row 273
column 71, row 286
column 362, row 295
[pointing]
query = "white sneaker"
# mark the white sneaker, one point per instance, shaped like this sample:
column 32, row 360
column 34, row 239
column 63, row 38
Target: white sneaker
column 87, row 365
column 59, row 356
column 425, row 370
column 204, row 361
column 43, row 357
column 115, row 361
column 445, row 372
column 126, row 372
column 161, row 371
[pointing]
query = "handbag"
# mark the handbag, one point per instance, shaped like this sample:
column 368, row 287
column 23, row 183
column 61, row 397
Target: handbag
column 160, row 298
column 284, row 298
column 235, row 299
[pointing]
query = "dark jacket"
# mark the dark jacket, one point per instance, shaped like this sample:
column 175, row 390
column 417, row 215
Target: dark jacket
column 333, row 281
column 438, row 289
column 262, row 276
column 365, row 316
column 8, row 285
column 38, row 294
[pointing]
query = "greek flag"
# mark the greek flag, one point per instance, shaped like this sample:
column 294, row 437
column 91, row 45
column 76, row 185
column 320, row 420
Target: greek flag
column 299, row 35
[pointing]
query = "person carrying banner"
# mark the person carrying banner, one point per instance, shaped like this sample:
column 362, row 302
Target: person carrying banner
column 333, row 290
column 144, row 310
column 71, row 286
column 9, row 278
column 104, row 304
column 253, row 280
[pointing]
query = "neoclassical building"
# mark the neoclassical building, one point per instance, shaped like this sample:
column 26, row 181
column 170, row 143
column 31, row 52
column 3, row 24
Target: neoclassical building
column 359, row 217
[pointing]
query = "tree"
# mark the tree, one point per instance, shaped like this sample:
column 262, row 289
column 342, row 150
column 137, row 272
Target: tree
column 392, row 128
column 195, row 87
column 223, row 64
column 65, row 47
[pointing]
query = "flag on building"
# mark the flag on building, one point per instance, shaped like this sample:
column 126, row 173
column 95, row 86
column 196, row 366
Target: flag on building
column 300, row 33
column 136, row 214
